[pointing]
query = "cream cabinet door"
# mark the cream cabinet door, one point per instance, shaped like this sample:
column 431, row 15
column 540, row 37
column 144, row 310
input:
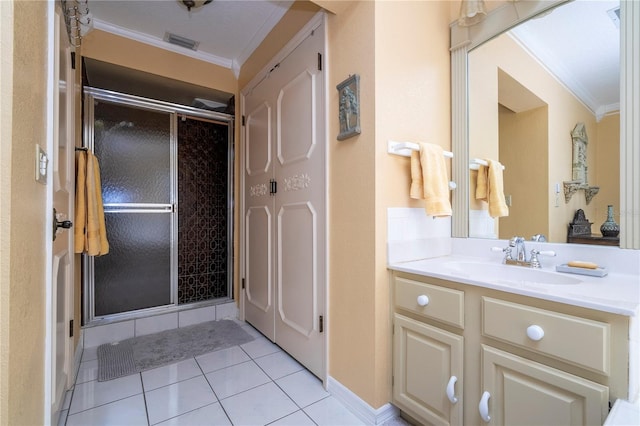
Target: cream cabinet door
column 521, row 392
column 427, row 372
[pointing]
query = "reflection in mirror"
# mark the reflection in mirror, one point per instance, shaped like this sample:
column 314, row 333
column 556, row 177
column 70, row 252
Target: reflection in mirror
column 528, row 89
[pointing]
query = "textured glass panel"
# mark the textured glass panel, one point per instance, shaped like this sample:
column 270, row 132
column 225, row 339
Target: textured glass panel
column 136, row 274
column 202, row 211
column 133, row 146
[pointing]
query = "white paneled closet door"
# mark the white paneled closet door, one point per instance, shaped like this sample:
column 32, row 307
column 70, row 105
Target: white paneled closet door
column 285, row 206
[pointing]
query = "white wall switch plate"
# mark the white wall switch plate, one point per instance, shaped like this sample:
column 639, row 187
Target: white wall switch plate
column 42, row 164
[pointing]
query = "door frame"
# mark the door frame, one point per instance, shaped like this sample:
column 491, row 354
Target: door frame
column 56, row 30
column 317, row 20
column 174, row 110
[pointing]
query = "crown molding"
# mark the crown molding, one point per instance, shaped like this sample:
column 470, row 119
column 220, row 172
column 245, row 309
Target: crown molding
column 160, row 43
column 262, row 33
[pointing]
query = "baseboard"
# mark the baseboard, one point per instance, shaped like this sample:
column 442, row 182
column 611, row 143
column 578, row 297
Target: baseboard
column 358, row 407
column 77, row 358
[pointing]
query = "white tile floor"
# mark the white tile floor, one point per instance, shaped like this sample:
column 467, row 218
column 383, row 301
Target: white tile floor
column 251, row 384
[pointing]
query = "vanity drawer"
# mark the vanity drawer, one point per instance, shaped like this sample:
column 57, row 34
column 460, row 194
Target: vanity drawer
column 440, row 303
column 576, row 340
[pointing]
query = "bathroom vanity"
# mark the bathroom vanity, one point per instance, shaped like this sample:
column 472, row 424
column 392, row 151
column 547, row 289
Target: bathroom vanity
column 476, row 346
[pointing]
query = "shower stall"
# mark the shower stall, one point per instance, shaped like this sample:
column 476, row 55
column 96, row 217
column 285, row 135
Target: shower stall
column 167, row 188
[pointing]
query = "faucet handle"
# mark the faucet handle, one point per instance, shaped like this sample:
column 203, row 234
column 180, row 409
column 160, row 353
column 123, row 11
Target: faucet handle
column 506, row 251
column 535, row 262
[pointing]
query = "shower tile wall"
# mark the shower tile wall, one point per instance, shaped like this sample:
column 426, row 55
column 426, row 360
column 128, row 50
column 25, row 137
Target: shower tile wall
column 202, row 211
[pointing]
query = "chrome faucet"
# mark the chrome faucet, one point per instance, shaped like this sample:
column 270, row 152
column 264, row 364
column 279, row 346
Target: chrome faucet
column 540, row 238
column 519, row 258
column 521, row 253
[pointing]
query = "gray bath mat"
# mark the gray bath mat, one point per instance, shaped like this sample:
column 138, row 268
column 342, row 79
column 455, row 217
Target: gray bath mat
column 155, row 350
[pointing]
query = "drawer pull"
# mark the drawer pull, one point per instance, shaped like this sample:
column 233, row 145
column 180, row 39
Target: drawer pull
column 451, row 391
column 483, row 407
column 535, row 332
column 423, row 300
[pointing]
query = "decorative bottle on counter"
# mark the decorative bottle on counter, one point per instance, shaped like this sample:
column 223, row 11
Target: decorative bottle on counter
column 610, row 228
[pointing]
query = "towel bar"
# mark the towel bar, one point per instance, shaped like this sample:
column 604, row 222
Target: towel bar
column 475, row 165
column 404, row 149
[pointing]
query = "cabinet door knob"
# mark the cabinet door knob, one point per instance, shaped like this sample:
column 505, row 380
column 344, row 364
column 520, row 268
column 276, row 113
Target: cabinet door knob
column 535, row 332
column 423, row 300
column 483, row 407
column 451, row 391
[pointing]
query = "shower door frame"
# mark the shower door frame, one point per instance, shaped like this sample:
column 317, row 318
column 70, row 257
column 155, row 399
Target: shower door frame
column 175, row 111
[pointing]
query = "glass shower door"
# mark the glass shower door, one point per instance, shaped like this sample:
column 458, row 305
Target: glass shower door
column 135, row 149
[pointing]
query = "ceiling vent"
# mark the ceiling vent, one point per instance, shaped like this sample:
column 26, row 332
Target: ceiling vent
column 181, row 41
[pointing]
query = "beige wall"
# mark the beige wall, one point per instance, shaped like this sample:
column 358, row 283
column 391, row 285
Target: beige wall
column 125, row 52
column 607, row 176
column 6, row 130
column 523, row 140
column 22, row 215
column 413, row 102
column 352, row 281
column 564, row 111
column 6, row 127
column 404, row 83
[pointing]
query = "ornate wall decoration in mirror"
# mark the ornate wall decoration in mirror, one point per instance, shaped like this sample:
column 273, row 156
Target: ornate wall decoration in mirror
column 579, row 167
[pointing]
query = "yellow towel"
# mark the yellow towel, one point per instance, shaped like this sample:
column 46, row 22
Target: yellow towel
column 90, row 234
column 429, row 179
column 489, row 187
column 81, row 202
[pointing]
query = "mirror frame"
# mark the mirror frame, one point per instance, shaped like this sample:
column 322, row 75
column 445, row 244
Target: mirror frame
column 464, row 39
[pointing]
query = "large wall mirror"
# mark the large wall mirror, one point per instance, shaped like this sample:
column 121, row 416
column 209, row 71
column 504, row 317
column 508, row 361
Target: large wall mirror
column 517, row 98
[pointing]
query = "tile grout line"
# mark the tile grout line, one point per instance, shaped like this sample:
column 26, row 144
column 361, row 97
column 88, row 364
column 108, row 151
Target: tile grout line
column 218, row 400
column 144, row 399
column 277, row 385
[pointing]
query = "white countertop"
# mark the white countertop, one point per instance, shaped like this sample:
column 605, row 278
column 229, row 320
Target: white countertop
column 614, row 293
column 623, row 413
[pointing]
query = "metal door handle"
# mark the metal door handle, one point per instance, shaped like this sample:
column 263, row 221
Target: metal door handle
column 65, row 224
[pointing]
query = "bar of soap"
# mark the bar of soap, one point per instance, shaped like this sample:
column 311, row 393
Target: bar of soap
column 581, row 264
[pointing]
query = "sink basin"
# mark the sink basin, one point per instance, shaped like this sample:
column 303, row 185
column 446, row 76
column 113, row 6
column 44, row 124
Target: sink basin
column 509, row 274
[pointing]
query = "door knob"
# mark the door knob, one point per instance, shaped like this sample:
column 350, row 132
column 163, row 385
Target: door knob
column 65, row 224
column 535, row 332
column 423, row 300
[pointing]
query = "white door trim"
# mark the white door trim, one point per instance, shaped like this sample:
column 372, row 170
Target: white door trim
column 49, row 322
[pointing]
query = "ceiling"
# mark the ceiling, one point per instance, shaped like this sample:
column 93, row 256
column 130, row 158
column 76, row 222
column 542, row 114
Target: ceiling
column 578, row 42
column 227, row 32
